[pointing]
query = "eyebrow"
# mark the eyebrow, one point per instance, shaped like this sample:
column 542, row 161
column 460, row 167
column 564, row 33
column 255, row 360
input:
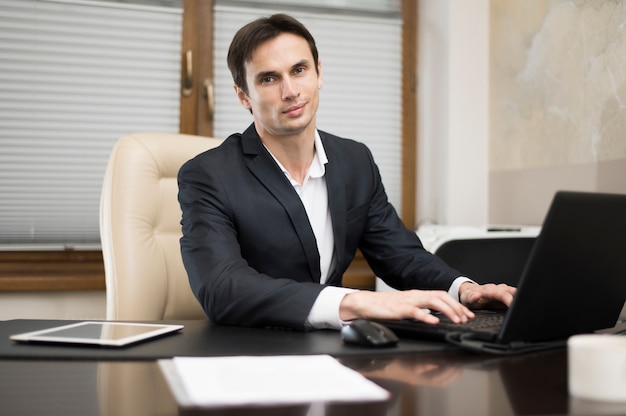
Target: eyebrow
column 302, row 62
column 263, row 74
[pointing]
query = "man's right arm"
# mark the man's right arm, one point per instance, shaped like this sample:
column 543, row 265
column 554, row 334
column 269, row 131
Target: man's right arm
column 232, row 289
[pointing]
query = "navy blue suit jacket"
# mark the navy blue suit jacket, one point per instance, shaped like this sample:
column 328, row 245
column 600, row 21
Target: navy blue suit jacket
column 250, row 252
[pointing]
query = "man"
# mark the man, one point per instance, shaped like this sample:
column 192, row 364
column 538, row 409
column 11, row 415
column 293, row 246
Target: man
column 273, row 217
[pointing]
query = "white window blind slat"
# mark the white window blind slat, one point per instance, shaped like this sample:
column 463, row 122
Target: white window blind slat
column 361, row 64
column 74, row 77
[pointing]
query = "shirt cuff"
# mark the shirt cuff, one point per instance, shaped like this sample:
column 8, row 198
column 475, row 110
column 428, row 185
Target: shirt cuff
column 454, row 287
column 325, row 310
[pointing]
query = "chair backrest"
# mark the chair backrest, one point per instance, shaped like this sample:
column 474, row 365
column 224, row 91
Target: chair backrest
column 486, row 254
column 488, row 260
column 140, row 228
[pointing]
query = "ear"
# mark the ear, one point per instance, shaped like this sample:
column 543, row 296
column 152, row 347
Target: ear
column 243, row 97
column 320, row 78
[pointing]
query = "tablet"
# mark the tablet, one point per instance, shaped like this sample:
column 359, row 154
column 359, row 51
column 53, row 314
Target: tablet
column 109, row 334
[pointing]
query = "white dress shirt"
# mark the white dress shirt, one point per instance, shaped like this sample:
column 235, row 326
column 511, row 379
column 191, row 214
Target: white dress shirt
column 314, row 195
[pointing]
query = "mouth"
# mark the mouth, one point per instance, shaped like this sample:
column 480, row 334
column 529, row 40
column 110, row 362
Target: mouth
column 294, row 110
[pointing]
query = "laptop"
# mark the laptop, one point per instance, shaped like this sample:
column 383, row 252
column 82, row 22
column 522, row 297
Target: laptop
column 574, row 281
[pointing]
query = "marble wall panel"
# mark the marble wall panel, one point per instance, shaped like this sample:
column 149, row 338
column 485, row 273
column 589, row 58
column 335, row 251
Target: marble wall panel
column 557, row 102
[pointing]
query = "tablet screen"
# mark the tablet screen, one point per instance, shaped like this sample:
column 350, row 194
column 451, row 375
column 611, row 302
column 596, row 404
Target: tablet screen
column 98, row 333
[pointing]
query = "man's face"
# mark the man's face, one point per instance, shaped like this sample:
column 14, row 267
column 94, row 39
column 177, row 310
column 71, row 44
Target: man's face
column 283, row 87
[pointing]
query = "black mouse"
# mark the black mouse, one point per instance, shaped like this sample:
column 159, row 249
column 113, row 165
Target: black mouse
column 369, row 334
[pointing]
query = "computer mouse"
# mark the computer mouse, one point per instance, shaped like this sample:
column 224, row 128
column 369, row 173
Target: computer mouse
column 368, row 334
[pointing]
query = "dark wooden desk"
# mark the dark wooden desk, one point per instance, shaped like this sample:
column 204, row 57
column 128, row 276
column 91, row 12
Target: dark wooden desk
column 437, row 383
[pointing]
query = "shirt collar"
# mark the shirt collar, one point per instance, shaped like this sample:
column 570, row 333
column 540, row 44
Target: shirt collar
column 318, row 165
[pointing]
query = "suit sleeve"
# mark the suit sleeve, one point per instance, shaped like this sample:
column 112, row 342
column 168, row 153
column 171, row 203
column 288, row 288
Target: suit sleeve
column 394, row 252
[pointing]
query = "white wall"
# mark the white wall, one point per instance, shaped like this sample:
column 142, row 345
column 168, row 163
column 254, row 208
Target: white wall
column 453, row 52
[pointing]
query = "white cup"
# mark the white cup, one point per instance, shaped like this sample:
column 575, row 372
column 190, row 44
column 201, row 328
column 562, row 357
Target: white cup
column 597, row 367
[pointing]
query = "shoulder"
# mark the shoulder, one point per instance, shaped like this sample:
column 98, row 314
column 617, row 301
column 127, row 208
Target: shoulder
column 343, row 146
column 211, row 165
column 346, row 154
column 224, row 155
column 232, row 145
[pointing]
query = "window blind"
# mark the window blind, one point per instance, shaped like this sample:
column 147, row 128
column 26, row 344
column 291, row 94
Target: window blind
column 361, row 57
column 74, row 77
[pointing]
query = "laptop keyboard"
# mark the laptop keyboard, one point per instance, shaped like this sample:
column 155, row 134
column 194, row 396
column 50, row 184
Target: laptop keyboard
column 484, row 321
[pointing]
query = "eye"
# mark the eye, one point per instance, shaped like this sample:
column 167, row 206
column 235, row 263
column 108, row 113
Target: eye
column 299, row 70
column 267, row 80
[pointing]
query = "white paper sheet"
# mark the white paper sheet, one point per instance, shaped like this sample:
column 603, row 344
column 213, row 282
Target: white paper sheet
column 267, row 380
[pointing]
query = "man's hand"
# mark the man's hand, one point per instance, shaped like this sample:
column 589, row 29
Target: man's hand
column 406, row 304
column 415, row 304
column 488, row 296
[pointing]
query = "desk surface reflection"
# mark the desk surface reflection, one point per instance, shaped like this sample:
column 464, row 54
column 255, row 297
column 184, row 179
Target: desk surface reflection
column 450, row 383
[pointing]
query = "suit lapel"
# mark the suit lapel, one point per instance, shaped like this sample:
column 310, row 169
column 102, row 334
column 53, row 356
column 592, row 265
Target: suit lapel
column 264, row 168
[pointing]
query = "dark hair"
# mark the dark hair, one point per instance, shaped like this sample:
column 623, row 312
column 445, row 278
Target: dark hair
column 252, row 35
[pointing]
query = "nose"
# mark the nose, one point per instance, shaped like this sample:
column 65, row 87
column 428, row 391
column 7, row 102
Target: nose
column 290, row 89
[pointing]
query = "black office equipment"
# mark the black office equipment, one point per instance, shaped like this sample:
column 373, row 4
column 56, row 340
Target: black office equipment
column 368, row 334
column 573, row 281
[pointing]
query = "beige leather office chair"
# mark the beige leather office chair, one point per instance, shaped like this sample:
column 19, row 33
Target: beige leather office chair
column 140, row 228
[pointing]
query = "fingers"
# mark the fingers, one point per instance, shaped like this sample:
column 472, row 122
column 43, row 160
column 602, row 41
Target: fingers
column 424, row 315
column 409, row 304
column 455, row 311
column 501, row 293
column 441, row 302
column 508, row 293
column 481, row 296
